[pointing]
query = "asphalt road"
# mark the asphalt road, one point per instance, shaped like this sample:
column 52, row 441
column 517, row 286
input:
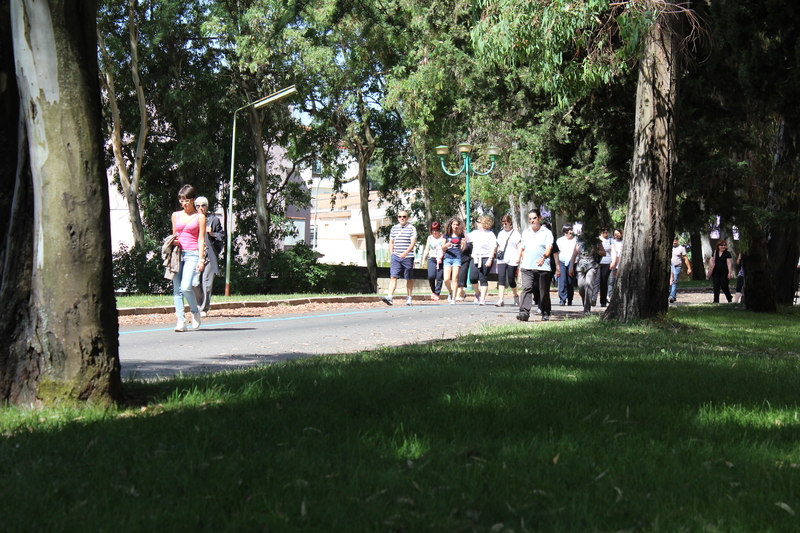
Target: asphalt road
column 148, row 352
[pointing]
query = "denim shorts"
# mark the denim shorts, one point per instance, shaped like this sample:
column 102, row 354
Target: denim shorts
column 452, row 262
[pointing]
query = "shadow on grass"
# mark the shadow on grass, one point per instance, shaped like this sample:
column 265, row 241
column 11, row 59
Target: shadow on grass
column 687, row 425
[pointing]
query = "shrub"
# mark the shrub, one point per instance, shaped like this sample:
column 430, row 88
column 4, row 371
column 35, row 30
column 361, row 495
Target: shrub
column 138, row 270
column 297, row 270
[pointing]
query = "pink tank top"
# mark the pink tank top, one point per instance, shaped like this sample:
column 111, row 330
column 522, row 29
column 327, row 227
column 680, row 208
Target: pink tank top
column 188, row 233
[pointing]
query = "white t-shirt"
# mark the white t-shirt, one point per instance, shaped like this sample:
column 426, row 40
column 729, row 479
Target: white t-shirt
column 483, row 243
column 511, row 254
column 565, row 248
column 606, row 259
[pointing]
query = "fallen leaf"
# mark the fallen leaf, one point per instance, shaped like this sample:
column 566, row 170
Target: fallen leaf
column 555, row 459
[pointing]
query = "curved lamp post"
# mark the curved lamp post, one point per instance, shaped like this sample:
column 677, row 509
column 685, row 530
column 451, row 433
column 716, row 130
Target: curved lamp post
column 467, row 168
column 258, row 104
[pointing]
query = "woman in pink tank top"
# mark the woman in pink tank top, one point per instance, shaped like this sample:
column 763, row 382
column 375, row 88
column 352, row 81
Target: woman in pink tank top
column 189, row 226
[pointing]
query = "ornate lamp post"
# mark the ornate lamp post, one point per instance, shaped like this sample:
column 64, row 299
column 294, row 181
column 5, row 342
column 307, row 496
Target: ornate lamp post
column 258, row 104
column 466, row 167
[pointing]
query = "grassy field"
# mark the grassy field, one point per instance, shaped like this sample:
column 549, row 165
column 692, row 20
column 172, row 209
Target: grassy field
column 691, row 423
column 160, row 300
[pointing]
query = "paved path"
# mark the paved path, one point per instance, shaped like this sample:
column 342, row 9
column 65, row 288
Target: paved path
column 152, row 351
column 157, row 351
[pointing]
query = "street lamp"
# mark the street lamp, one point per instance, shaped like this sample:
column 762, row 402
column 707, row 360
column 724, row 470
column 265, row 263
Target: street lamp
column 465, row 149
column 258, row 104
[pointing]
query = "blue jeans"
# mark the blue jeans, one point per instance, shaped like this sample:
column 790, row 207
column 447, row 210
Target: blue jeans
column 182, row 283
column 673, row 289
column 566, row 285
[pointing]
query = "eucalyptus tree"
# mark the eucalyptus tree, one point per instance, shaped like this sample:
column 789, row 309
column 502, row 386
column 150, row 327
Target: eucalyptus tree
column 340, row 53
column 573, row 47
column 58, row 321
column 167, row 92
column 259, row 63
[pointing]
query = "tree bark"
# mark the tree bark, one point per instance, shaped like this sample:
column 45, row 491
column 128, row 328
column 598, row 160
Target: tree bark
column 642, row 287
column 65, row 344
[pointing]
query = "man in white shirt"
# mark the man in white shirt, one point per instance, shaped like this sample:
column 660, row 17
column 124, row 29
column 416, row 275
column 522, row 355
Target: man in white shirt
column 535, row 249
column 566, row 283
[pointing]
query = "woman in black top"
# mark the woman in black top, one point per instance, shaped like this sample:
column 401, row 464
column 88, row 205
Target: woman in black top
column 721, row 270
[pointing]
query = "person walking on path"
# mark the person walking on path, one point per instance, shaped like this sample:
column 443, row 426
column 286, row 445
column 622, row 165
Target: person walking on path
column 721, row 270
column 189, row 228
column 454, row 244
column 484, row 246
column 739, row 281
column 536, row 246
column 603, row 271
column 584, row 263
column 434, row 252
column 507, row 257
column 402, row 240
column 215, row 241
column 678, row 256
column 616, row 255
column 566, row 247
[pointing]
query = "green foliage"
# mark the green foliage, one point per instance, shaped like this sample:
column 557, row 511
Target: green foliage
column 138, row 270
column 297, row 270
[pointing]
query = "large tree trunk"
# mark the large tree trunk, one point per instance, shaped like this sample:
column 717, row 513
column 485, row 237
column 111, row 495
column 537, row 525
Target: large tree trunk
column 65, row 344
column 641, row 290
column 759, row 293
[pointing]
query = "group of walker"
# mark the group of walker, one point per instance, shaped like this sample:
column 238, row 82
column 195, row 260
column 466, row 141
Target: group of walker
column 453, row 254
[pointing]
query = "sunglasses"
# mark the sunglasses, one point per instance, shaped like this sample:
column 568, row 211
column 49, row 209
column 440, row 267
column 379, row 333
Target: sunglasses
column 402, row 216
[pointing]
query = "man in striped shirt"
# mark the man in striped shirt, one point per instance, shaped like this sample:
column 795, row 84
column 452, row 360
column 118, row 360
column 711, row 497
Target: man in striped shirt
column 402, row 240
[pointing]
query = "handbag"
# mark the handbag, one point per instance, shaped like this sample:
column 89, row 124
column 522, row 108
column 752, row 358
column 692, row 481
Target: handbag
column 499, row 255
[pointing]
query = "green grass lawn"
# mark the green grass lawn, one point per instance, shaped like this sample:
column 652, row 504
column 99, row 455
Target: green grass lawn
column 686, row 424
column 160, row 300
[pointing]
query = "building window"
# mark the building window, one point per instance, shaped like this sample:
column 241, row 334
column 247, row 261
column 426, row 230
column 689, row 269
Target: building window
column 300, row 227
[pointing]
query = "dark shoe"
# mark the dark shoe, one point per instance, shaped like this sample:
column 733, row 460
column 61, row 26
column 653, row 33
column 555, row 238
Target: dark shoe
column 672, row 300
column 522, row 318
column 569, row 302
column 562, row 302
column 545, row 317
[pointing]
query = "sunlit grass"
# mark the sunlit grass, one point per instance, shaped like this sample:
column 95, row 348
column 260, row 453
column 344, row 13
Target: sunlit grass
column 687, row 423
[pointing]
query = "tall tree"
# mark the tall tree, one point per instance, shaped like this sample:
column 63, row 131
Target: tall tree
column 59, row 338
column 571, row 48
column 129, row 178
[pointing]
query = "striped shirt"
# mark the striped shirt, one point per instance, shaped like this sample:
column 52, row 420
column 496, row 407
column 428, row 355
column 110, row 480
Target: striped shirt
column 401, row 237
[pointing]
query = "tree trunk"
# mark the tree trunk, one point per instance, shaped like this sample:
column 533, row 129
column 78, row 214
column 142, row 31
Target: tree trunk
column 65, row 344
column 641, row 290
column 369, row 237
column 759, row 293
column 255, row 127
column 698, row 264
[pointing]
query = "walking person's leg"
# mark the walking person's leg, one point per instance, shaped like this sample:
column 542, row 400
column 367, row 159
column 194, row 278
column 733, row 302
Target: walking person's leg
column 502, row 269
column 562, row 283
column 605, row 270
column 673, row 289
column 726, row 288
column 591, row 276
column 716, row 281
column 526, row 296
column 545, row 277
column 432, row 275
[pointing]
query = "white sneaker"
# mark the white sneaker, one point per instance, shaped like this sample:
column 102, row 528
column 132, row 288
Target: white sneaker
column 180, row 326
column 387, row 300
column 500, row 303
column 203, row 314
column 408, row 300
column 196, row 321
column 452, row 302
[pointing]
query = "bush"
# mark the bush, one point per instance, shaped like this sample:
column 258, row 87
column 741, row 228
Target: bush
column 297, row 270
column 138, row 270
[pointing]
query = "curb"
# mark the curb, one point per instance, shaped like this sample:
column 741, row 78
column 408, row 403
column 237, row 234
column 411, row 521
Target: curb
column 169, row 309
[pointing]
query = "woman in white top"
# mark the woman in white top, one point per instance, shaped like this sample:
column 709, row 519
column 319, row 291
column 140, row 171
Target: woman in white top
column 507, row 260
column 616, row 255
column 434, row 252
column 484, row 245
